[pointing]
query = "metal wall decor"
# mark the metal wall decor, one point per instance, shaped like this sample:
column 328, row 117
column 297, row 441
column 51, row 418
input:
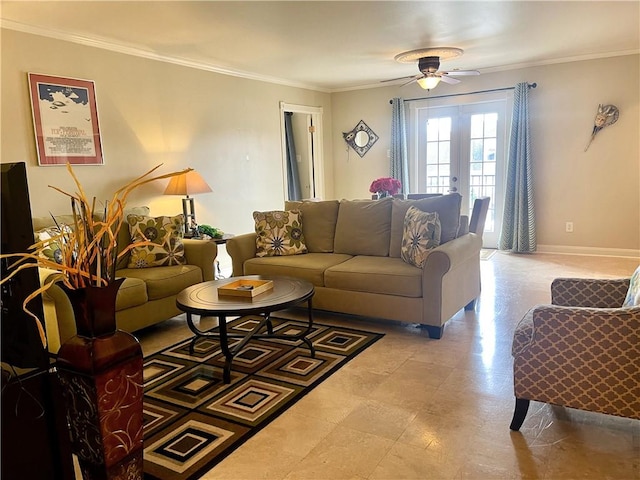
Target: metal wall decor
column 607, row 115
column 361, row 138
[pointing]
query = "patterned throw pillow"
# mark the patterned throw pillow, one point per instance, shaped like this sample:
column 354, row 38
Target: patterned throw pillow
column 279, row 233
column 53, row 241
column 420, row 235
column 633, row 294
column 164, row 232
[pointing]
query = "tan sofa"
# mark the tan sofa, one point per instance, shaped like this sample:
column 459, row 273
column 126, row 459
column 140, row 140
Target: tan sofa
column 146, row 297
column 355, row 264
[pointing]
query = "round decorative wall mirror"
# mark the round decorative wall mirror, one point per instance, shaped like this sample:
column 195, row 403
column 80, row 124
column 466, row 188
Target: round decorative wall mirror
column 361, row 138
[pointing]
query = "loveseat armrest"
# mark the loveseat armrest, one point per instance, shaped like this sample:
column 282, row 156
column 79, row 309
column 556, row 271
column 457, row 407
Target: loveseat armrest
column 201, row 253
column 59, row 318
column 587, row 292
column 241, row 248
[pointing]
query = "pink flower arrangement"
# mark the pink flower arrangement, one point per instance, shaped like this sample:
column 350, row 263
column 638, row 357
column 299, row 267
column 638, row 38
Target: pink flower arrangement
column 386, row 184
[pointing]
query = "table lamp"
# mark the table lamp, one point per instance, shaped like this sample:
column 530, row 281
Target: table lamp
column 189, row 183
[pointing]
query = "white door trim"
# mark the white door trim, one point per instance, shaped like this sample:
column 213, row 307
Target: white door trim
column 314, row 144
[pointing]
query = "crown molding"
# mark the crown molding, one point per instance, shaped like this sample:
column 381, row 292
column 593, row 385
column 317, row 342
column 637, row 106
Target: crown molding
column 139, row 52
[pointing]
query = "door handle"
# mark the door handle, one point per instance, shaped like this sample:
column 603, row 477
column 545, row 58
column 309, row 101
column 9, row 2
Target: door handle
column 453, row 189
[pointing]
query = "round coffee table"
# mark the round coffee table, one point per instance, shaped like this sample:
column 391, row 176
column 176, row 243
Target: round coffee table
column 204, row 300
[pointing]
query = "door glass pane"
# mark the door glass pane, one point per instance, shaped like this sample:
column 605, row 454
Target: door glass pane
column 438, row 154
column 483, row 162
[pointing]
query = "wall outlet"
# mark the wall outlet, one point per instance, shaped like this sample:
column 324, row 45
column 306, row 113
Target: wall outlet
column 568, row 227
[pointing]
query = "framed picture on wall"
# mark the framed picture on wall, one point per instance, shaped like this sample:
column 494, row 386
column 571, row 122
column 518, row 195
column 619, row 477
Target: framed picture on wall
column 65, row 120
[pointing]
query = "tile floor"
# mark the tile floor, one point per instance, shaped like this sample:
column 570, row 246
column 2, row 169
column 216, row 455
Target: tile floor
column 414, row 408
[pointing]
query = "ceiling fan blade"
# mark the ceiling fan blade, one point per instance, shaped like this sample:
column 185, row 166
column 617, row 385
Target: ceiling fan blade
column 446, row 79
column 461, row 72
column 412, row 77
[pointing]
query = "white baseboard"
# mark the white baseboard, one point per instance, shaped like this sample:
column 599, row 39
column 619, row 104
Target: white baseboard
column 593, row 251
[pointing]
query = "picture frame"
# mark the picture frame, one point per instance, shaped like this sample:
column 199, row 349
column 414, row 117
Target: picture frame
column 65, row 120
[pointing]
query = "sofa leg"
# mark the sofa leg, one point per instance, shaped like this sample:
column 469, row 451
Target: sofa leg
column 471, row 305
column 522, row 407
column 434, row 332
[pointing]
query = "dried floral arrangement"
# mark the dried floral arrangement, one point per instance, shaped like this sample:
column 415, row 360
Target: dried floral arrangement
column 89, row 248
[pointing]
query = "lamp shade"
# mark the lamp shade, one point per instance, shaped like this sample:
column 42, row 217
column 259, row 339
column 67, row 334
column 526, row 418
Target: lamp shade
column 428, row 82
column 189, row 183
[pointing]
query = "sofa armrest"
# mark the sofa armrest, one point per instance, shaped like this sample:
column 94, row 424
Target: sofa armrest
column 450, row 278
column 453, row 253
column 587, row 292
column 241, row 248
column 201, row 253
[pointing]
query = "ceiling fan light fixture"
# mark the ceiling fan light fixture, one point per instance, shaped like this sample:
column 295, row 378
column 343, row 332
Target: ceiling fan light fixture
column 428, row 83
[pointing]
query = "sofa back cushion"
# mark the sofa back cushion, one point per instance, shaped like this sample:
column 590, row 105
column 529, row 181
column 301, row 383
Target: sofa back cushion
column 318, row 223
column 446, row 206
column 364, row 227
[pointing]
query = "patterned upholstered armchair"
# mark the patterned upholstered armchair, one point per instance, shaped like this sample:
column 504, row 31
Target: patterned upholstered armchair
column 583, row 351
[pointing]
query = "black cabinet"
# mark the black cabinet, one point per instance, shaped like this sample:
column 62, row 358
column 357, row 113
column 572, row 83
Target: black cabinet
column 35, row 440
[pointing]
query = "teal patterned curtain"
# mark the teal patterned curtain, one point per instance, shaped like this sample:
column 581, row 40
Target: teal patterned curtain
column 518, row 232
column 399, row 163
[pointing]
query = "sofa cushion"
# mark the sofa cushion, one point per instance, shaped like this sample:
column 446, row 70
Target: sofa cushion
column 633, row 294
column 165, row 234
column 279, row 233
column 309, row 267
column 318, row 223
column 374, row 274
column 363, row 227
column 166, row 281
column 132, row 292
column 421, row 235
column 446, row 206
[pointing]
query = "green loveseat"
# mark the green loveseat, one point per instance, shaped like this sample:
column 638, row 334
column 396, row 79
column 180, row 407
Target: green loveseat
column 146, row 297
column 354, row 260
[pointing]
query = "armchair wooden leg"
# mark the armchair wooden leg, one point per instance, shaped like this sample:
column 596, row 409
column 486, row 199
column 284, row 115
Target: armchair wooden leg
column 520, row 412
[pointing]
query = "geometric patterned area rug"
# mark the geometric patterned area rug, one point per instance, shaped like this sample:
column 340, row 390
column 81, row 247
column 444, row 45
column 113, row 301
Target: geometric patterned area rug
column 192, row 420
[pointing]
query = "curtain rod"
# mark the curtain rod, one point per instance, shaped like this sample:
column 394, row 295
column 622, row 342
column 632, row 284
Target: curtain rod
column 531, row 85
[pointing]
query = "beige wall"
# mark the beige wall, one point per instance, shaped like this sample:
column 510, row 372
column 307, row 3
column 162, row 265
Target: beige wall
column 152, row 112
column 598, row 190
column 229, row 130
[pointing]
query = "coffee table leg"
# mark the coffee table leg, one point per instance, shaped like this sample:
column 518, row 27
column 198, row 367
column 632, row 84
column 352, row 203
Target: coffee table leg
column 309, row 327
column 224, row 346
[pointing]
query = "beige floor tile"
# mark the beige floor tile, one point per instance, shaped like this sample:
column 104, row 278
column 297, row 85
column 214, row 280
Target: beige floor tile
column 344, row 453
column 327, row 404
column 410, row 462
column 380, row 419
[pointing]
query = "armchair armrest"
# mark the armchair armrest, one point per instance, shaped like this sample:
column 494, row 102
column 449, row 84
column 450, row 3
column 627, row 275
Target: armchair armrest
column 241, row 248
column 203, row 254
column 587, row 292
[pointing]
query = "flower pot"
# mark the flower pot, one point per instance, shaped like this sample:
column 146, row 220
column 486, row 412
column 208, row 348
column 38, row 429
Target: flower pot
column 100, row 370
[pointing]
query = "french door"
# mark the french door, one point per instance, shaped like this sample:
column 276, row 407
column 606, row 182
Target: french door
column 461, row 149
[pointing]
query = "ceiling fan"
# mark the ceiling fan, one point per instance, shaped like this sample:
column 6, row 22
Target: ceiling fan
column 429, row 64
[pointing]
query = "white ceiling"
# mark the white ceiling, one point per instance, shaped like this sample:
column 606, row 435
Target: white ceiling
column 336, row 45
